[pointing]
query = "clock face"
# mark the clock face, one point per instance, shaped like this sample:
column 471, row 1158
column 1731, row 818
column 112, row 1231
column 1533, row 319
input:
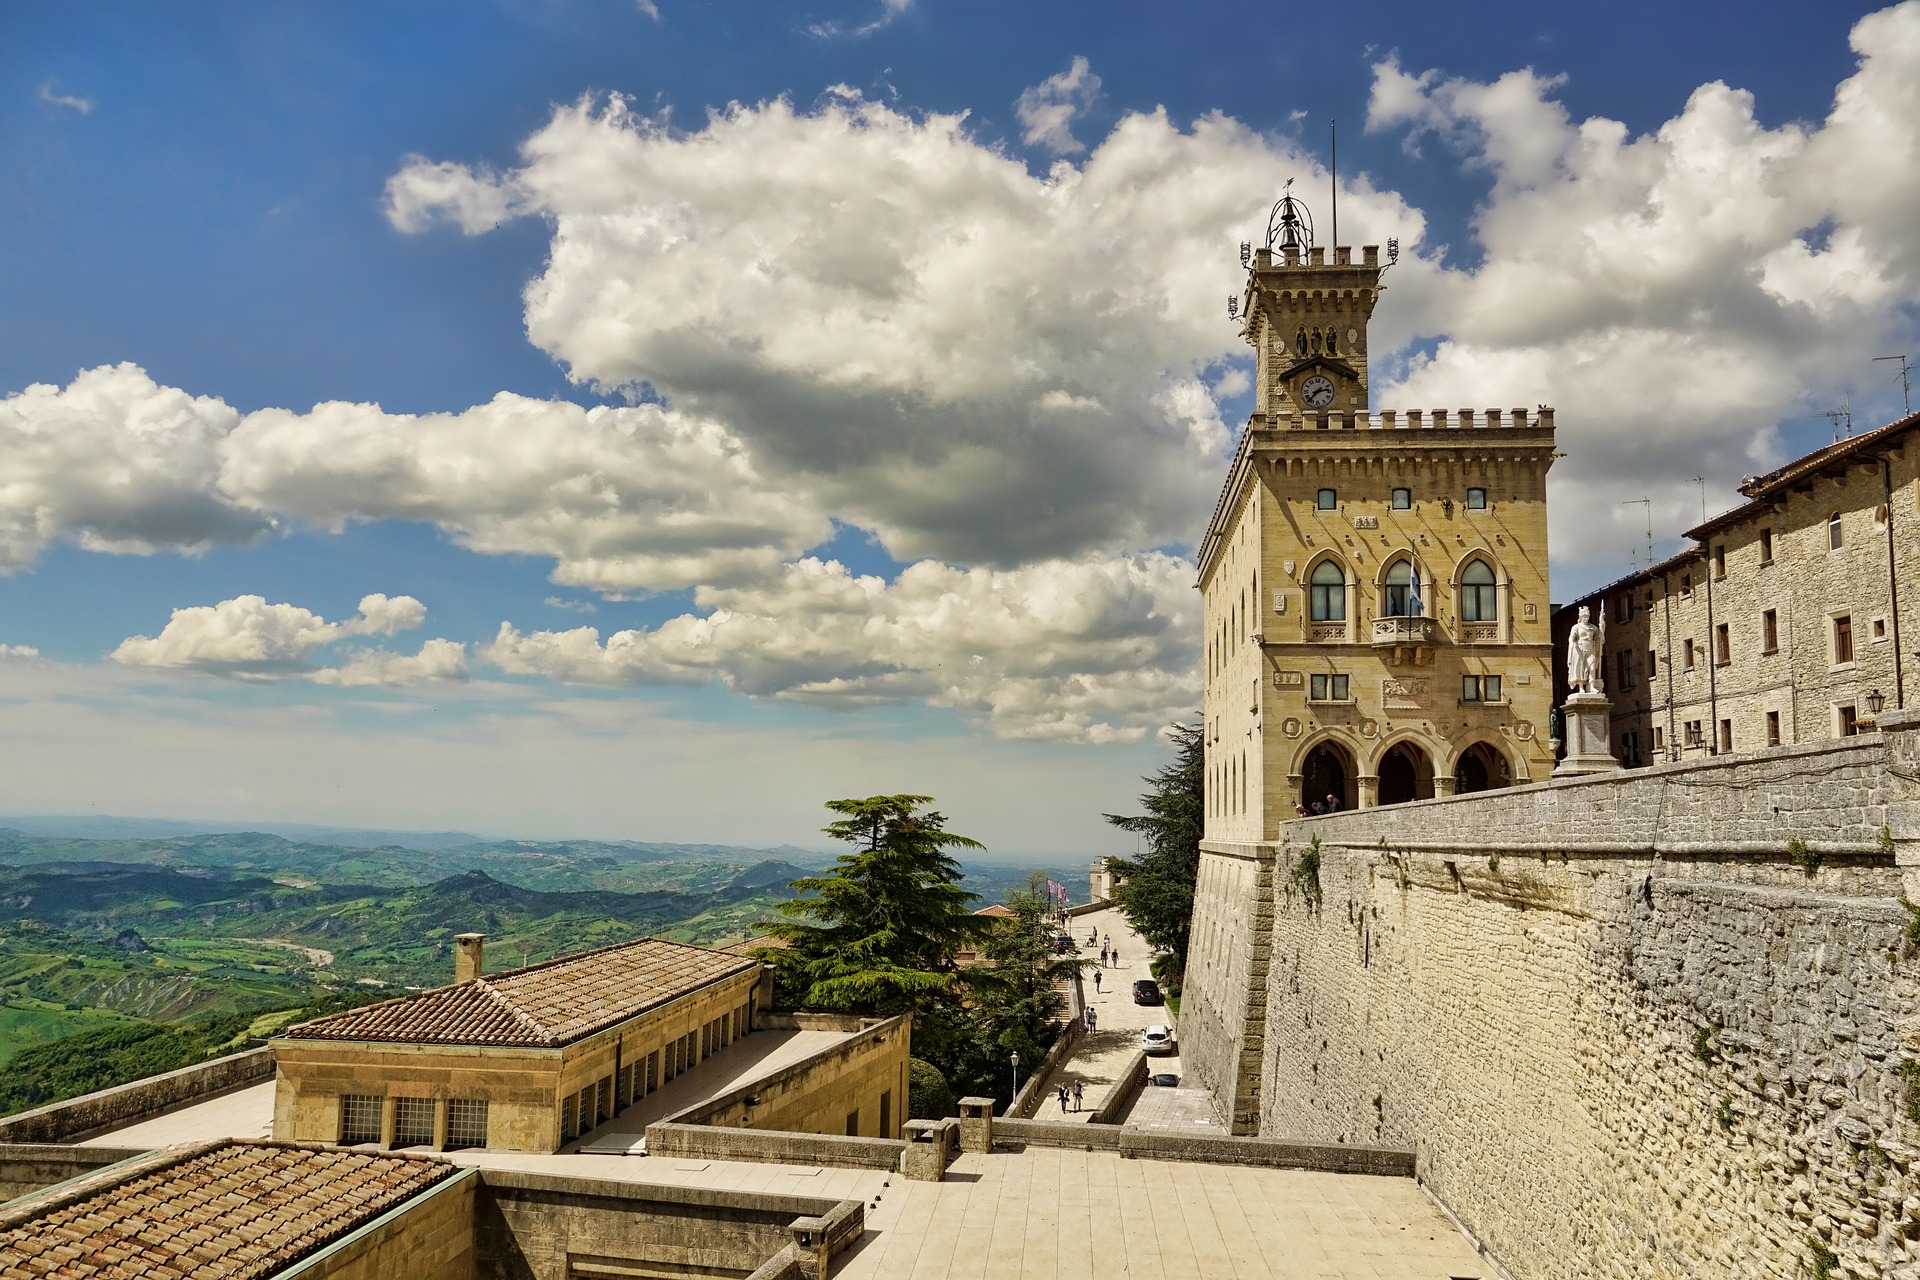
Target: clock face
column 1317, row 391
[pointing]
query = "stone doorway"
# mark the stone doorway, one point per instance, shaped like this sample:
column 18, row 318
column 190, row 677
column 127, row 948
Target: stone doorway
column 1481, row 768
column 1406, row 773
column 1328, row 771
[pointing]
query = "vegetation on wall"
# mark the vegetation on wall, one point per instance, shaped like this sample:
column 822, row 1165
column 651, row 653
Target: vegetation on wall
column 1156, row 889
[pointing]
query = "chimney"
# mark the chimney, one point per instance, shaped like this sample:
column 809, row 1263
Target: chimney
column 466, row 956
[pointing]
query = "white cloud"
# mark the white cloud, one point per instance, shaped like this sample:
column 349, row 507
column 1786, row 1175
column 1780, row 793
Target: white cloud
column 1082, row 651
column 889, row 10
column 1676, row 294
column 423, row 193
column 571, row 606
column 18, row 653
column 649, row 8
column 247, row 638
column 51, row 95
column 1047, row 110
column 976, row 364
column 114, row 462
column 623, row 499
column 437, row 660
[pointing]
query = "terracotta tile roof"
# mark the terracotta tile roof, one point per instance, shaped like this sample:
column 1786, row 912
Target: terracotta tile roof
column 541, row 1006
column 236, row 1211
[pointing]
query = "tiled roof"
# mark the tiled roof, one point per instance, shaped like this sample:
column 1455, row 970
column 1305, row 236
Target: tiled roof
column 541, row 1006
column 1760, row 489
column 238, row 1210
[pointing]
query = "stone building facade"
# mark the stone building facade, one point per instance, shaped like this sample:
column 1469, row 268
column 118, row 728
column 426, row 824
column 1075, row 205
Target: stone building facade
column 1374, row 585
column 1789, row 617
column 525, row 1060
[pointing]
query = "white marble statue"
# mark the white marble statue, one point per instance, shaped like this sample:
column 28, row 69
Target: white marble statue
column 1586, row 647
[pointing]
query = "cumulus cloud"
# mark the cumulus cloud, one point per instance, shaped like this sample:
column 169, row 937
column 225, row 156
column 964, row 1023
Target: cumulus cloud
column 1047, row 110
column 248, row 638
column 1082, row 651
column 1677, row 294
column 18, row 653
column 975, row 363
column 114, row 462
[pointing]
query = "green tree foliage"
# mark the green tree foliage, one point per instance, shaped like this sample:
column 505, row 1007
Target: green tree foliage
column 112, row 1055
column 1157, row 893
column 878, row 933
column 929, row 1096
column 1020, row 1003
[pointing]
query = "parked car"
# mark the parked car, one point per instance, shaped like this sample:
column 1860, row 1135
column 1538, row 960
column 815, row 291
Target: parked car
column 1157, row 1039
column 1062, row 943
column 1147, row 991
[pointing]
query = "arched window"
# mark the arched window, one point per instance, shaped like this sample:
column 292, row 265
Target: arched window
column 1478, row 600
column 1329, row 593
column 1835, row 538
column 1402, row 599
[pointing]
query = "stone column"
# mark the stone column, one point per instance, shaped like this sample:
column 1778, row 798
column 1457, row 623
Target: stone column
column 1443, row 784
column 1369, row 784
column 925, row 1159
column 976, row 1124
column 389, row 1107
column 439, row 1124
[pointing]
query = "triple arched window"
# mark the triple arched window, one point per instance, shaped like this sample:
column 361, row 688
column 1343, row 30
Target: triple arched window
column 1479, row 595
column 1328, row 587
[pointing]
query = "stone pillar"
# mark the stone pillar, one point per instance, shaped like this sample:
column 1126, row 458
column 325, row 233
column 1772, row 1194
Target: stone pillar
column 810, row 1243
column 389, row 1108
column 1588, row 726
column 925, row 1159
column 439, row 1124
column 1369, row 790
column 976, row 1124
column 1442, row 785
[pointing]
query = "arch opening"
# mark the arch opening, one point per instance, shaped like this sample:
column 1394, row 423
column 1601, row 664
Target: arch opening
column 1327, row 771
column 1481, row 768
column 1406, row 773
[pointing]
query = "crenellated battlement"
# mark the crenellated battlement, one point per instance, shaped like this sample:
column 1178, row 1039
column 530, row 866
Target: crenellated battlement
column 1293, row 259
column 1516, row 419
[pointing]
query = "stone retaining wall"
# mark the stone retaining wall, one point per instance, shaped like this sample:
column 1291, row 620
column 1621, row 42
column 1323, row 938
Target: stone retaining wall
column 709, row 1142
column 1662, row 1023
column 92, row 1113
column 1136, row 1144
column 32, row 1166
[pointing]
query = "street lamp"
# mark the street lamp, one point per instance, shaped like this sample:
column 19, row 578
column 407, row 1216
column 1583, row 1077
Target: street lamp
column 1016, row 1073
column 1875, row 701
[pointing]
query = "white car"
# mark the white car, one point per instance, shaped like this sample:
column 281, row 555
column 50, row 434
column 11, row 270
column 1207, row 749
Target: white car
column 1157, row 1038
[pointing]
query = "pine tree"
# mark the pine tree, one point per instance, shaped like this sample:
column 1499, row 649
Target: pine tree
column 1156, row 894
column 878, row 933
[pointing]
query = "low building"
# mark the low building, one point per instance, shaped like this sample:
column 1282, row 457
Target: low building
column 1788, row 619
column 247, row 1211
column 524, row 1060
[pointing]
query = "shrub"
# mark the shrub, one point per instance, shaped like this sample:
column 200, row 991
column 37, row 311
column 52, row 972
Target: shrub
column 929, row 1096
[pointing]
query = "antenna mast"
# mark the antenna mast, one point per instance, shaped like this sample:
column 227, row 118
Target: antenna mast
column 1841, row 418
column 1906, row 389
column 1646, row 503
column 1333, row 174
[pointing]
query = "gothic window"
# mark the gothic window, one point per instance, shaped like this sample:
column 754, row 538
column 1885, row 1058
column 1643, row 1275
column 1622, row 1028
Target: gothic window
column 1400, row 593
column 1479, row 602
column 1329, row 593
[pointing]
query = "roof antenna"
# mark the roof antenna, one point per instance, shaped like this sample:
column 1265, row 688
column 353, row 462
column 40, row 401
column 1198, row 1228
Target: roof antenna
column 1906, row 388
column 1840, row 418
column 1702, row 482
column 1333, row 175
column 1648, row 504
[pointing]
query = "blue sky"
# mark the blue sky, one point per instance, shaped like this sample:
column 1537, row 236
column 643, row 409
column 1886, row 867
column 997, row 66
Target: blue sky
column 816, row 336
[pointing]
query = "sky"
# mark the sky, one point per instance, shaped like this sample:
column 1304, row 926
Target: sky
column 649, row 419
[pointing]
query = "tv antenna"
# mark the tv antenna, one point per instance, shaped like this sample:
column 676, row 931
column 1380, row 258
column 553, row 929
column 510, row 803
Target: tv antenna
column 1906, row 387
column 1702, row 482
column 1842, row 420
column 1290, row 223
column 1647, row 504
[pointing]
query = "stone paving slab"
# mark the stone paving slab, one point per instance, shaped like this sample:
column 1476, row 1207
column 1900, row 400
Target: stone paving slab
column 1090, row 1214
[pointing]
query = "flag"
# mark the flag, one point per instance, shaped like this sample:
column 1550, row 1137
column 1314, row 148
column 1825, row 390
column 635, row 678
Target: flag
column 1057, row 889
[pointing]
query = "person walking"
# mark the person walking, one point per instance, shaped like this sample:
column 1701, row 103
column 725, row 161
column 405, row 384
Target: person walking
column 1079, row 1094
column 1116, row 959
column 1096, row 982
column 1061, row 1094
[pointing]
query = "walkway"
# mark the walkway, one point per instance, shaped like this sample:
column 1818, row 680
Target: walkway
column 1100, row 1058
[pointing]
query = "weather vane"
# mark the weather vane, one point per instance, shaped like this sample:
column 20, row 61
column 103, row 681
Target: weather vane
column 1290, row 223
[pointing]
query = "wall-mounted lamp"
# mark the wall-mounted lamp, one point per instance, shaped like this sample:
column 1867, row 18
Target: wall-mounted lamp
column 1875, row 701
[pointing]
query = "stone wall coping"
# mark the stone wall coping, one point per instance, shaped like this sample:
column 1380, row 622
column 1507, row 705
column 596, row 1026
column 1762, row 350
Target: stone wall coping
column 701, row 1111
column 772, row 1146
column 778, row 1204
column 103, row 1109
column 784, row 1265
column 1274, row 1153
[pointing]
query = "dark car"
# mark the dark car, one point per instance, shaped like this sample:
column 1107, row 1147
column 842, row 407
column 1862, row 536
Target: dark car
column 1147, row 991
column 1062, row 943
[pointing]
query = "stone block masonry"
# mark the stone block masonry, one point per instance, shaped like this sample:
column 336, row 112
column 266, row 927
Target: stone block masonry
column 1665, row 1023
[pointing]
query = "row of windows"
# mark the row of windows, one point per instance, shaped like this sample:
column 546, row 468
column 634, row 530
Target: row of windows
column 413, row 1119
column 1332, row 687
column 1479, row 597
column 1401, row 499
column 1840, row 650
column 1836, row 540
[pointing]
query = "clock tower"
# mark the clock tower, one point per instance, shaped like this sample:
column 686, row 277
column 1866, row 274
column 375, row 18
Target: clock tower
column 1307, row 319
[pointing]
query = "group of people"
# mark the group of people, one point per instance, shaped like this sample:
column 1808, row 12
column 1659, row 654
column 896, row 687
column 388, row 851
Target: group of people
column 1309, row 808
column 1109, row 957
column 1075, row 1093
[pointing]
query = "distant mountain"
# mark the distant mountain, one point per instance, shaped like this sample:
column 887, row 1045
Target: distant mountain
column 774, row 873
column 108, row 827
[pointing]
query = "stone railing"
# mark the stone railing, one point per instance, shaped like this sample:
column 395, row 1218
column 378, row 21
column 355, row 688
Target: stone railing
column 1388, row 632
column 1479, row 633
column 1327, row 632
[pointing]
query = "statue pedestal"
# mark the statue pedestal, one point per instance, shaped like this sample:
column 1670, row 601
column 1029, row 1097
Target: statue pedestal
column 1588, row 729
